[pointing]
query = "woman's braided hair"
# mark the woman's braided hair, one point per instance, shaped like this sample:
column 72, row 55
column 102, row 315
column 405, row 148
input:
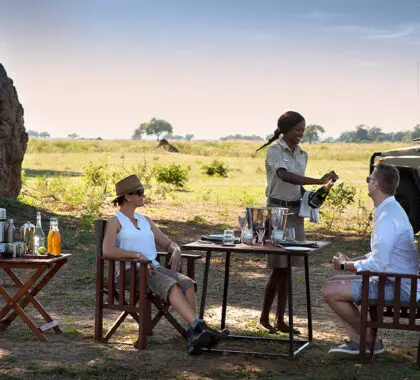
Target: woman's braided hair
column 285, row 123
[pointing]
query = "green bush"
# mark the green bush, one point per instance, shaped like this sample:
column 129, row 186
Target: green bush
column 216, row 168
column 173, row 174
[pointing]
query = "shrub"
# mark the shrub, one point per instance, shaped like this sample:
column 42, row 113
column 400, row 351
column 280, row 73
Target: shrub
column 216, row 168
column 173, row 174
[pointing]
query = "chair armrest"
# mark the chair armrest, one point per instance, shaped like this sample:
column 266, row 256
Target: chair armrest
column 190, row 257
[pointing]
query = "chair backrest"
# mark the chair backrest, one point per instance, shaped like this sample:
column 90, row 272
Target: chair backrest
column 99, row 235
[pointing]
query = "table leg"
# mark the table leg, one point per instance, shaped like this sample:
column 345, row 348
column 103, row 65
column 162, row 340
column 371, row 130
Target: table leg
column 22, row 291
column 225, row 290
column 205, row 281
column 308, row 299
column 31, row 296
column 290, row 299
column 19, row 311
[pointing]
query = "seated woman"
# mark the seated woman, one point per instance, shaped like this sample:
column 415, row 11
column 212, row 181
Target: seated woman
column 132, row 235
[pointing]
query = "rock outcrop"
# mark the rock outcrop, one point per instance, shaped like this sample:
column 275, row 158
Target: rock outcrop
column 13, row 138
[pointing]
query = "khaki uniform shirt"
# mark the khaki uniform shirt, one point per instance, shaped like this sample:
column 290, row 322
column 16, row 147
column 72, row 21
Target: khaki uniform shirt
column 280, row 156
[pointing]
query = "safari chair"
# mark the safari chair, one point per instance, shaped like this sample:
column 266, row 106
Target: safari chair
column 388, row 315
column 112, row 296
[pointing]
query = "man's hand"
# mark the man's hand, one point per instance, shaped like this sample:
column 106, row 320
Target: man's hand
column 337, row 261
column 175, row 262
column 342, row 256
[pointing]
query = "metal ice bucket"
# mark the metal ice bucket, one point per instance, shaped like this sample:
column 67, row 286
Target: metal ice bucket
column 262, row 216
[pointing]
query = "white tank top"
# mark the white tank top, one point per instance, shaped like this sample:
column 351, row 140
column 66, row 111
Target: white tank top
column 138, row 240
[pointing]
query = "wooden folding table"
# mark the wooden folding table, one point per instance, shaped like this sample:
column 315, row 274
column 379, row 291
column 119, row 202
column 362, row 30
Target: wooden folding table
column 44, row 268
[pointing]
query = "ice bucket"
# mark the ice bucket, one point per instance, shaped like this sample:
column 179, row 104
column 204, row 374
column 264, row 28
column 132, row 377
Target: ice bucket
column 262, row 217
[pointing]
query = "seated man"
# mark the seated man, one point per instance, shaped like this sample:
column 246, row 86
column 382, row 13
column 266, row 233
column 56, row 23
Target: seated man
column 392, row 250
column 132, row 235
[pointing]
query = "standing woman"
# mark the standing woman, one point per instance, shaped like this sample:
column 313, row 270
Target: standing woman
column 285, row 166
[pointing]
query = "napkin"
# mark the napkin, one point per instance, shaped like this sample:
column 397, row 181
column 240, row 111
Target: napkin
column 306, row 211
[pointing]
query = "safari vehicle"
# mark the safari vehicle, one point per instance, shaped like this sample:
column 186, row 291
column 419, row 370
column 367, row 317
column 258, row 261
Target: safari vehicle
column 407, row 160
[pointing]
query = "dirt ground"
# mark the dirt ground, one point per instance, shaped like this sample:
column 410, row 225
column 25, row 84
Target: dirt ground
column 70, row 298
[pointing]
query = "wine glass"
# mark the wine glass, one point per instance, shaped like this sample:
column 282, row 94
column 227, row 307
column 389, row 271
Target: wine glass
column 242, row 219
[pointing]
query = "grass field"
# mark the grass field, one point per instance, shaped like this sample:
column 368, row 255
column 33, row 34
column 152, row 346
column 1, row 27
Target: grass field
column 206, row 205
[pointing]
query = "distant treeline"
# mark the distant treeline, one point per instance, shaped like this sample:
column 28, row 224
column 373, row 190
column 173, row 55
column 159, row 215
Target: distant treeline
column 241, row 137
column 364, row 133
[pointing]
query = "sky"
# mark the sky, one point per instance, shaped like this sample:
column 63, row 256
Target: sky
column 99, row 68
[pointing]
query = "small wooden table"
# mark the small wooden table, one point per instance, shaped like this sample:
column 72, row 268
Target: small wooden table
column 295, row 346
column 45, row 267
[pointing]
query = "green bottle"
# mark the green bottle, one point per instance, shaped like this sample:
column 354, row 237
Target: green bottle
column 318, row 198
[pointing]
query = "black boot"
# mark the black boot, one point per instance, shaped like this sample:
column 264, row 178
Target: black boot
column 216, row 335
column 198, row 339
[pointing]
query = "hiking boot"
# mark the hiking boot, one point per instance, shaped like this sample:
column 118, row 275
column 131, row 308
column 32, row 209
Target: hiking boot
column 197, row 339
column 216, row 335
column 349, row 347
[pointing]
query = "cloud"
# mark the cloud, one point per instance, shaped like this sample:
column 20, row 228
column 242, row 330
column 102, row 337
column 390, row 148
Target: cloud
column 393, row 33
column 372, row 33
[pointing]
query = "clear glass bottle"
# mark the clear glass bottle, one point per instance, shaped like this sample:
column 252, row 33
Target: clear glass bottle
column 54, row 238
column 39, row 236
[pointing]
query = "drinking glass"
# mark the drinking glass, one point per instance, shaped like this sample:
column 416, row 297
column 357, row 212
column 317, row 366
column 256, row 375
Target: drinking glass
column 229, row 237
column 276, row 236
column 242, row 219
column 289, row 233
column 261, row 234
column 246, row 236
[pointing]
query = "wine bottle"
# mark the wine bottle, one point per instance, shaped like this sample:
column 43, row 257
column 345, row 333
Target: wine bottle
column 317, row 199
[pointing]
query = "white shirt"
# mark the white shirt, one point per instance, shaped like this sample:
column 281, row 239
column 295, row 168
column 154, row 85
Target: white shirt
column 392, row 244
column 279, row 156
column 140, row 239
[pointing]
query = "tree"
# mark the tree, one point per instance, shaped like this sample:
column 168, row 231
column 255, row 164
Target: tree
column 32, row 133
column 140, row 131
column 44, row 135
column 73, row 136
column 362, row 133
column 189, row 137
column 312, row 132
column 153, row 127
column 375, row 134
column 416, row 132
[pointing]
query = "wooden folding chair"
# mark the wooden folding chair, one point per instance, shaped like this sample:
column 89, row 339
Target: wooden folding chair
column 388, row 315
column 112, row 296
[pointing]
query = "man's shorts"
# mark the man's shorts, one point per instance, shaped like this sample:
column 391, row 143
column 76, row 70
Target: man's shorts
column 161, row 282
column 356, row 289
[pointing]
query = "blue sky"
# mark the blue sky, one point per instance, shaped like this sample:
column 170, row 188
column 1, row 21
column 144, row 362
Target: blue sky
column 211, row 68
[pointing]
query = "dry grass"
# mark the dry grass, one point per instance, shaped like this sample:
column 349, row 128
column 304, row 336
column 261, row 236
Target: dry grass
column 208, row 206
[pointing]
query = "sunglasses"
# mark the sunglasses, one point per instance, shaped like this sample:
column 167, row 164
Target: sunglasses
column 138, row 192
column 369, row 178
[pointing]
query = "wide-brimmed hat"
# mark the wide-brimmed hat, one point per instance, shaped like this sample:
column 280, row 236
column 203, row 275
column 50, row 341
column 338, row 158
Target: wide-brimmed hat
column 128, row 185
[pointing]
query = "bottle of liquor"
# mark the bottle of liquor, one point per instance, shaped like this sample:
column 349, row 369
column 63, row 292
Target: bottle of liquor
column 39, row 237
column 54, row 238
column 317, row 199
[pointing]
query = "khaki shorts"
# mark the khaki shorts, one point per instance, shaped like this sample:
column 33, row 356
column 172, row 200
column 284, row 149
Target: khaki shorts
column 161, row 282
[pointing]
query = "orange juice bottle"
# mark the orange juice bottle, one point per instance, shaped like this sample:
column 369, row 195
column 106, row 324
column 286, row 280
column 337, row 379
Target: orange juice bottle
column 54, row 238
column 50, row 233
